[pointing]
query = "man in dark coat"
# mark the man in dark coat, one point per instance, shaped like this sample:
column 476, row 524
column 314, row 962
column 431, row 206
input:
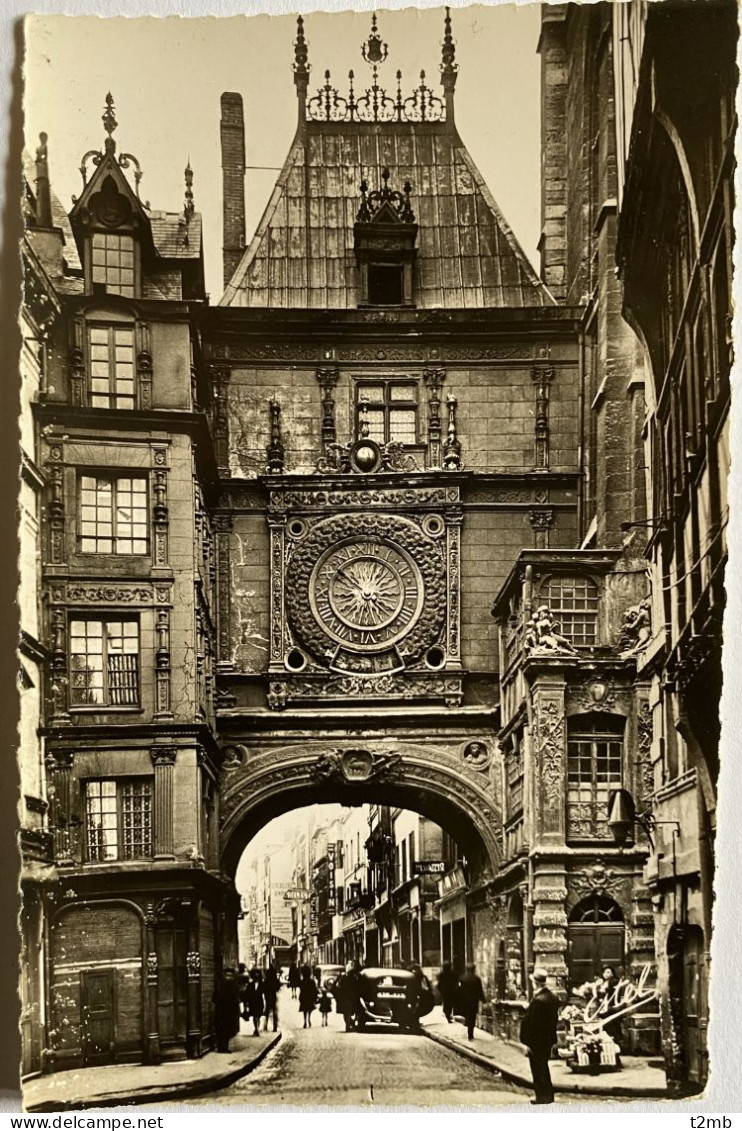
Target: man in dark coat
column 471, row 993
column 538, row 1031
column 448, row 984
column 226, row 1010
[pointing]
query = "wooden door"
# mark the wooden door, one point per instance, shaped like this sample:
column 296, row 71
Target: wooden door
column 592, row 947
column 172, row 988
column 694, row 1006
column 98, row 1010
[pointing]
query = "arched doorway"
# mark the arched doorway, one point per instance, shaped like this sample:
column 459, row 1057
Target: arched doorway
column 596, row 939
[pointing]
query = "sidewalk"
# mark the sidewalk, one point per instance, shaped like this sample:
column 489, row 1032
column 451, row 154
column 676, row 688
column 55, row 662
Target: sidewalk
column 117, row 1085
column 636, row 1078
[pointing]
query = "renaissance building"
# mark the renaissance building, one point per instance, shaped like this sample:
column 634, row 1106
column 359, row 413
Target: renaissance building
column 394, row 524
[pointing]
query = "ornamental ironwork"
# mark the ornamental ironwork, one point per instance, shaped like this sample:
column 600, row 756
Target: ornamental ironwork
column 375, row 104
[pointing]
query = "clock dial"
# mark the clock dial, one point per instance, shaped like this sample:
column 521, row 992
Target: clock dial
column 366, row 593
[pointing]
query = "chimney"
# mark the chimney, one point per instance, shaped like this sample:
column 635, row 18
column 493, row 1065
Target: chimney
column 43, row 191
column 233, row 182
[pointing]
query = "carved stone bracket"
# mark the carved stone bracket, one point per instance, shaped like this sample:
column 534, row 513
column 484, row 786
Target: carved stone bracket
column 433, row 379
column 542, row 520
column 542, row 376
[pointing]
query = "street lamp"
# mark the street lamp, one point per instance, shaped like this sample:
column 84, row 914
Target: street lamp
column 622, row 816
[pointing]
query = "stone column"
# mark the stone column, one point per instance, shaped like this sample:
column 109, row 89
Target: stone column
column 550, row 923
column 152, row 1051
column 163, row 759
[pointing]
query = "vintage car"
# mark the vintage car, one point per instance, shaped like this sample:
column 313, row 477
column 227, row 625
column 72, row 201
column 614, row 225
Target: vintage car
column 327, row 976
column 392, row 997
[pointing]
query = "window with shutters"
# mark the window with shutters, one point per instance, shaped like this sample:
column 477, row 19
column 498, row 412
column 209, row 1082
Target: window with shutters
column 112, row 514
column 112, row 372
column 118, row 819
column 386, row 411
column 594, row 768
column 573, row 603
column 104, row 663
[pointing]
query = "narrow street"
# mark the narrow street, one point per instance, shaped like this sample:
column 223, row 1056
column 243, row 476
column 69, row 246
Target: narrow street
column 329, row 1066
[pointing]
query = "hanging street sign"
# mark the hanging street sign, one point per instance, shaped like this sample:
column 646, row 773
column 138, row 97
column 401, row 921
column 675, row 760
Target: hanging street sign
column 297, row 895
column 430, row 867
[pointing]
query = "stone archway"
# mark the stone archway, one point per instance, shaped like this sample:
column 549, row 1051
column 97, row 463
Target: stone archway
column 456, row 794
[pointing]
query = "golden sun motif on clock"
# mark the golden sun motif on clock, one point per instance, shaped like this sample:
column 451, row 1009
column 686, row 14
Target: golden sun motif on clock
column 366, row 593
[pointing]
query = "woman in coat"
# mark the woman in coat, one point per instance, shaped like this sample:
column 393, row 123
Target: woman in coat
column 255, row 999
column 308, row 994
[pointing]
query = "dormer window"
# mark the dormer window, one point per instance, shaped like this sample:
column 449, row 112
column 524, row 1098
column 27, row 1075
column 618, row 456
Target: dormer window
column 385, row 284
column 385, row 233
column 112, row 264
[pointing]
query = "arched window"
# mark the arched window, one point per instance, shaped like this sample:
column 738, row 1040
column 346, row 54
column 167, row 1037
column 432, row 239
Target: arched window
column 595, row 939
column 573, row 602
column 594, row 768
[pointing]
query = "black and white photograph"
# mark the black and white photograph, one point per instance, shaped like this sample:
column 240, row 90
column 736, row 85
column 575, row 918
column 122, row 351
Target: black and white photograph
column 375, row 424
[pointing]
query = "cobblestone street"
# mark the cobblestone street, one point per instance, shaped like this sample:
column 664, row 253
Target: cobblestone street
column 328, row 1066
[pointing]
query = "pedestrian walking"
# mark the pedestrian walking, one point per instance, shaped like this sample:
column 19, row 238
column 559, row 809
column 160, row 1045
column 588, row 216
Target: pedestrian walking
column 470, row 994
column 271, row 986
column 538, row 1032
column 308, row 994
column 293, row 979
column 243, row 983
column 325, row 1004
column 255, row 999
column 348, row 994
column 447, row 984
column 226, row 1000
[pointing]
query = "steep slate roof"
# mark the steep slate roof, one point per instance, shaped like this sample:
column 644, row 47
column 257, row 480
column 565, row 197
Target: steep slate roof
column 302, row 254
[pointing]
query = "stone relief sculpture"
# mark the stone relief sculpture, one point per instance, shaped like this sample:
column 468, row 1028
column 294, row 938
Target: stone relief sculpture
column 542, row 636
column 636, row 630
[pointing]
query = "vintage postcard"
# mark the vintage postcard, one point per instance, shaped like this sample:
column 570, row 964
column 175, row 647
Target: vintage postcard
column 375, row 426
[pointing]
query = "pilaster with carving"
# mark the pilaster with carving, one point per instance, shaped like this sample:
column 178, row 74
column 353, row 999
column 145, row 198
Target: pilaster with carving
column 542, row 376
column 59, row 682
column 454, row 519
column 328, row 379
column 275, row 447
column 542, row 520
column 220, row 375
column 452, row 446
column 163, row 760
column 76, row 362
column 223, row 529
column 549, row 759
column 643, row 767
column 160, row 510
column 433, row 379
column 59, row 792
column 55, row 509
column 144, row 365
column 153, row 1036
column 163, row 704
column 277, row 526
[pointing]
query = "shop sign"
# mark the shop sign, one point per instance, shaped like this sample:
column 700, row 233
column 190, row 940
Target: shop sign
column 430, row 867
column 297, row 895
column 331, row 877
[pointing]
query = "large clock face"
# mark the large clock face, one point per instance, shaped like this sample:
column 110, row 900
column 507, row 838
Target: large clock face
column 366, row 593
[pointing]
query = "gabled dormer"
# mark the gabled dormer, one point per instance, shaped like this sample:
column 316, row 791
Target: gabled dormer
column 110, row 222
column 385, row 233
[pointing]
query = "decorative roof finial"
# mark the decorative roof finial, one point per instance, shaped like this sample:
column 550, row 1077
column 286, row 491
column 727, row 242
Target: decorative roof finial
column 373, row 50
column 43, row 191
column 301, row 67
column 109, row 123
column 189, row 206
column 449, row 66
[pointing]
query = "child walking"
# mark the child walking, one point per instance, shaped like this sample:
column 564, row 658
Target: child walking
column 325, row 1004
